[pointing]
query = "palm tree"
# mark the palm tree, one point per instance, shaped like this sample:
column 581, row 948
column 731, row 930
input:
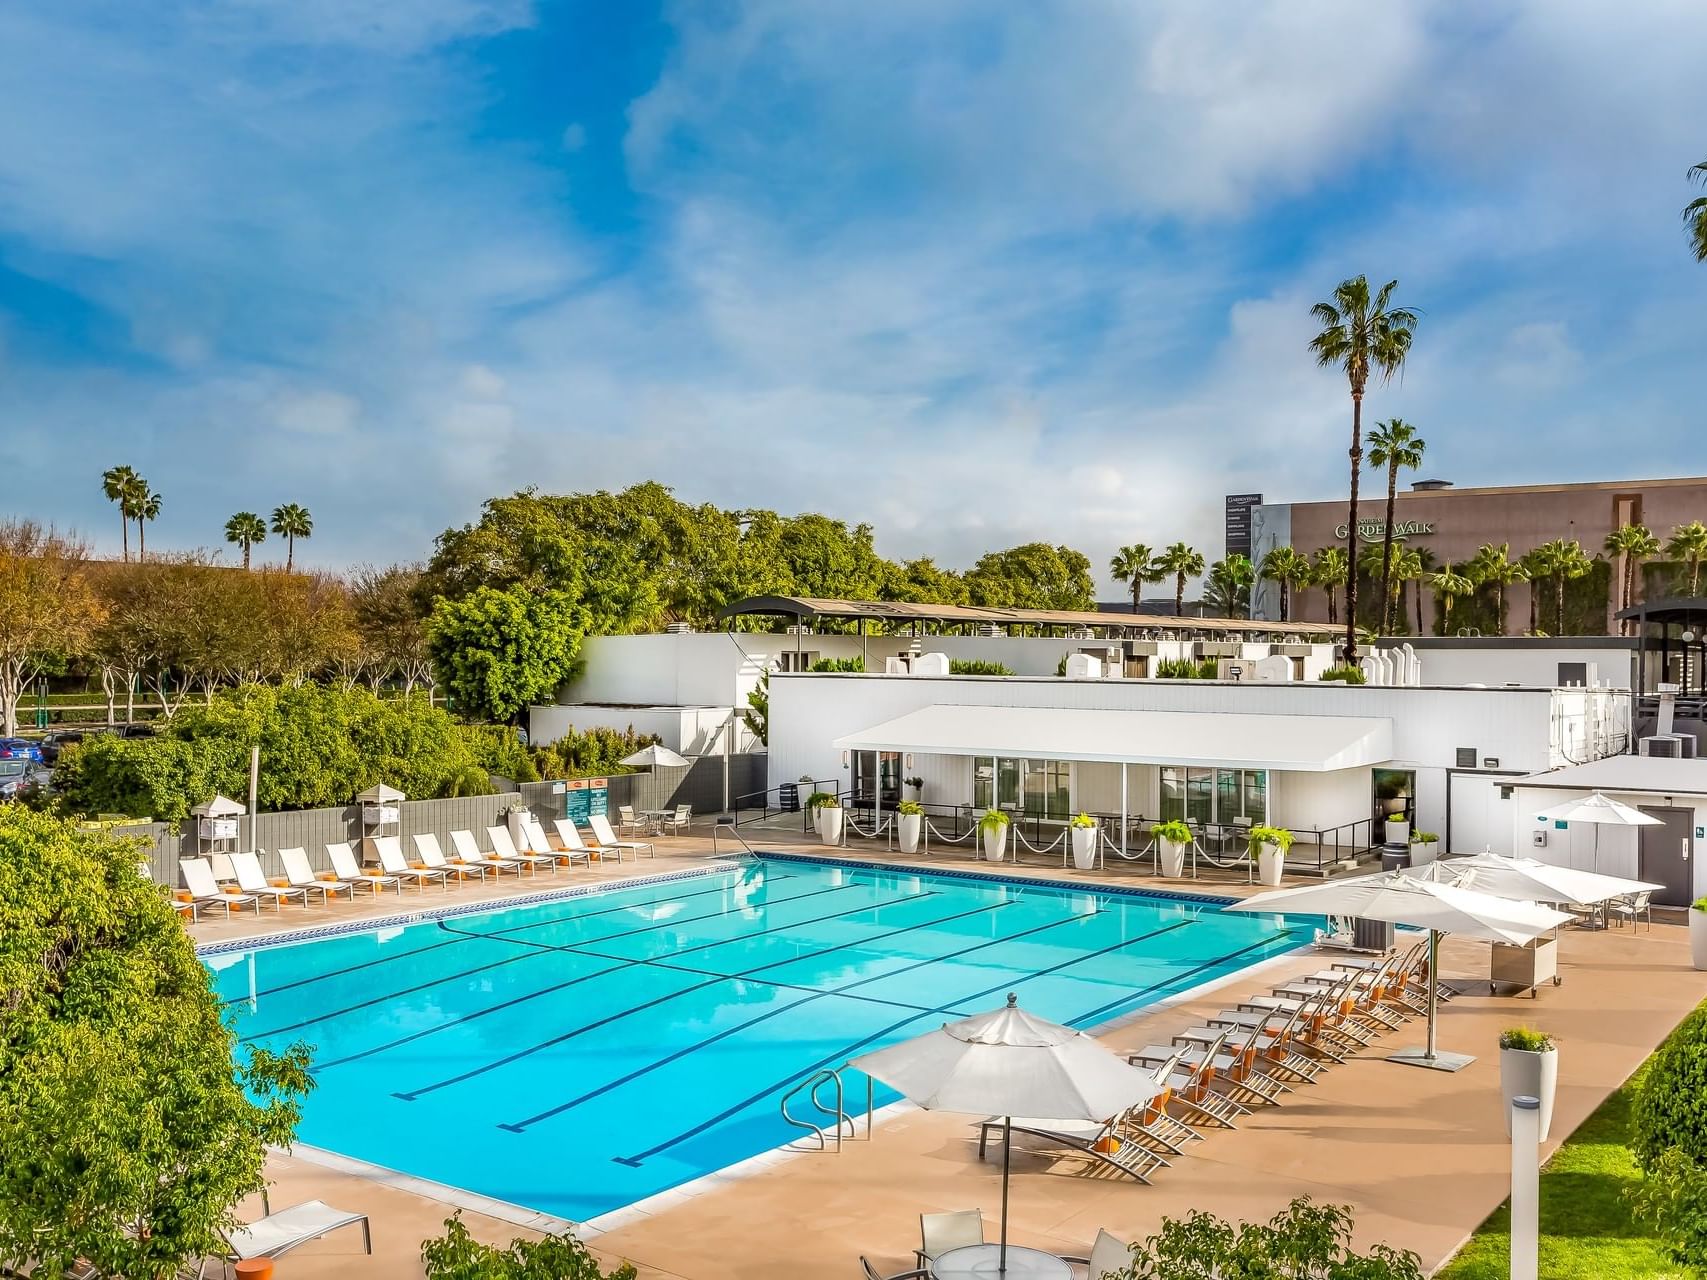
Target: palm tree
column 1412, row 564
column 1534, row 565
column 119, row 484
column 1182, row 562
column 1373, row 563
column 147, row 508
column 1493, row 566
column 1136, row 565
column 291, row 522
column 1563, row 560
column 1228, row 587
column 245, row 529
column 1364, row 336
column 1393, row 444
column 1328, row 572
column 1286, row 567
column 1688, row 543
column 1635, row 543
column 1448, row 585
column 1695, row 214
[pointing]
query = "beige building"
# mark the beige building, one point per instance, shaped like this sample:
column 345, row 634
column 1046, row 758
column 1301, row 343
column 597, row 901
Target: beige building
column 1449, row 524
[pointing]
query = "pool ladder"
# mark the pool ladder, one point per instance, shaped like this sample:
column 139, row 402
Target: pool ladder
column 808, row 1091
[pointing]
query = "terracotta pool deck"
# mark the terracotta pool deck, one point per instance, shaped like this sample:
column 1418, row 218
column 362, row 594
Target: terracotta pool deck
column 1420, row 1156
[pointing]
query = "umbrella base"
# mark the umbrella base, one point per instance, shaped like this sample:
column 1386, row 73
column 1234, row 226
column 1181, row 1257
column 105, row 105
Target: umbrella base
column 1439, row 1060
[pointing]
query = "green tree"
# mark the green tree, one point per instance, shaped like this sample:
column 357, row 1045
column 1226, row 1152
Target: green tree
column 1493, row 566
column 1534, row 565
column 1560, row 561
column 147, row 508
column 1635, row 543
column 1286, row 567
column 48, row 608
column 126, row 1138
column 759, row 709
column 1182, row 562
column 1227, row 589
column 1448, row 584
column 496, row 652
column 120, row 484
column 457, row 1255
column 292, row 521
column 1136, row 566
column 1688, row 543
column 1393, row 444
column 922, row 582
column 1695, row 214
column 1365, row 336
column 245, row 529
column 388, row 618
column 1328, row 571
column 1033, row 576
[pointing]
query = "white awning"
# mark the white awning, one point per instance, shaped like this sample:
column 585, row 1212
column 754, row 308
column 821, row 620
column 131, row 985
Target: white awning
column 1309, row 744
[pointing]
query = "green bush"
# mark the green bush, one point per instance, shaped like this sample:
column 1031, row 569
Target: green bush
column 1672, row 1200
column 854, row 665
column 1347, row 674
column 1525, row 1038
column 909, row 808
column 1305, row 1241
column 1082, row 820
column 994, row 822
column 497, row 749
column 1671, row 1105
column 1188, row 669
column 456, row 1255
column 1176, row 831
column 818, row 799
column 981, row 667
column 1279, row 837
column 593, row 753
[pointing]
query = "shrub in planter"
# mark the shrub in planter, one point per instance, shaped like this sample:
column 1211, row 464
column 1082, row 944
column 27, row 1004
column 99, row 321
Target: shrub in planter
column 829, row 814
column 979, row 667
column 814, row 802
column 993, row 831
column 1529, row 1065
column 1423, row 847
column 1172, row 840
column 909, row 823
column 1345, row 674
column 1269, row 846
column 1083, row 832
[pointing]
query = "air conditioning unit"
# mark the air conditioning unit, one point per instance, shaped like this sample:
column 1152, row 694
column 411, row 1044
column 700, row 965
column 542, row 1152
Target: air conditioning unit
column 679, row 629
column 1672, row 746
column 989, row 630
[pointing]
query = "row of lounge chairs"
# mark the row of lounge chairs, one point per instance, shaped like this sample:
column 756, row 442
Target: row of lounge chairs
column 234, row 881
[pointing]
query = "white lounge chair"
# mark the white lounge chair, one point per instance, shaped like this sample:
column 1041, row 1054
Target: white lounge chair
column 146, row 871
column 251, row 880
column 205, row 891
column 607, row 838
column 539, row 844
column 575, row 847
column 392, row 862
column 468, row 855
column 350, row 871
column 278, row 1233
column 300, row 874
column 504, row 850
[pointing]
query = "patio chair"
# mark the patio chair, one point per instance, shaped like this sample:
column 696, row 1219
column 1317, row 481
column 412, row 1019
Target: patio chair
column 1110, row 1255
column 940, row 1232
column 1636, row 906
column 300, row 874
column 570, row 847
column 629, row 821
column 146, row 871
column 1259, row 1048
column 505, row 848
column 346, row 867
column 607, row 838
column 872, row 1273
column 205, row 891
column 389, row 850
column 468, row 854
column 432, row 858
column 1230, row 1057
column 251, row 880
column 679, row 821
column 277, row 1234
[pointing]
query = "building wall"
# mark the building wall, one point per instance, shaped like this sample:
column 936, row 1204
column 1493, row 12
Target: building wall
column 1519, row 660
column 1575, row 847
column 689, row 731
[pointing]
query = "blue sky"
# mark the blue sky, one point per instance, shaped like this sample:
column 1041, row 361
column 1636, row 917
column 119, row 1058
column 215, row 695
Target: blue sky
column 977, row 273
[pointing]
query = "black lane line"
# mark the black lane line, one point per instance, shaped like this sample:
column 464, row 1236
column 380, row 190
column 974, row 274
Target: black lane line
column 412, row 1094
column 526, row 955
column 434, row 946
column 1189, row 973
column 636, row 1160
column 624, row 963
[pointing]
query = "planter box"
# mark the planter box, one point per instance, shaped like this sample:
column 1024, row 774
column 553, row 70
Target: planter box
column 1698, row 938
column 1270, row 863
column 1533, row 1074
column 995, row 844
column 909, row 826
column 1397, row 831
column 1170, row 858
column 1423, row 852
column 829, row 824
column 1084, row 847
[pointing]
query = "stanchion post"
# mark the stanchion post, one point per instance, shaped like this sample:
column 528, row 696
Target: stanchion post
column 1525, row 1187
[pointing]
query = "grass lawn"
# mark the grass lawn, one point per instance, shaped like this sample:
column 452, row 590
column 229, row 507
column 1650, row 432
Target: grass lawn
column 1586, row 1229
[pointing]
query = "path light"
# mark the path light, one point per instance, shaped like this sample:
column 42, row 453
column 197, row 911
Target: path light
column 1525, row 1186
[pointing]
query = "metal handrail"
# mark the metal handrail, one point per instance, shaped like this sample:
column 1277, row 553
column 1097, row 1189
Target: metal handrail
column 838, row 1114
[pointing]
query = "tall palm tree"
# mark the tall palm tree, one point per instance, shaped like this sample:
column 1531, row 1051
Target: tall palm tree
column 1448, row 584
column 245, row 529
column 1228, row 587
column 1365, row 336
column 291, row 522
column 1328, row 571
column 1563, row 560
column 1393, row 444
column 1136, row 565
column 147, row 508
column 1285, row 566
column 1492, row 566
column 1534, row 565
column 1688, row 543
column 1412, row 564
column 119, row 485
column 1634, row 543
column 1695, row 214
column 1182, row 562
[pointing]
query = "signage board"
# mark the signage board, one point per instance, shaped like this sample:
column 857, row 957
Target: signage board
column 584, row 797
column 1375, row 530
column 1239, row 521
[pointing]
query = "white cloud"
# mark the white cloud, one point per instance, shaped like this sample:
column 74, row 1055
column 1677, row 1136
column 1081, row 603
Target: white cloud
column 317, row 413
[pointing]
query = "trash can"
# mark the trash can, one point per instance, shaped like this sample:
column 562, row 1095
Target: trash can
column 1395, row 858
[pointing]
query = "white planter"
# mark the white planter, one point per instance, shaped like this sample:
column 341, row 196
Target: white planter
column 818, row 820
column 1533, row 1074
column 909, row 825
column 1172, row 857
column 996, row 843
column 1270, row 863
column 1423, row 851
column 829, row 824
column 1398, row 831
column 1698, row 938
column 1084, row 847
column 516, row 821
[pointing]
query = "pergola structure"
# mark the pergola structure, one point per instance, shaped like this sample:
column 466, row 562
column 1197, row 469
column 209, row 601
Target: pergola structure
column 1679, row 625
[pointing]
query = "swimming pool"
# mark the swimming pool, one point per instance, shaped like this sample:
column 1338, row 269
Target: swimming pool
column 579, row 1054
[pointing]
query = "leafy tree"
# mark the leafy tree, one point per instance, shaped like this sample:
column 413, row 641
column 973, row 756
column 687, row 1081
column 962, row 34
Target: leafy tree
column 1695, row 214
column 1228, row 587
column 759, row 709
column 1305, row 1241
column 1182, row 562
column 120, row 485
column 1034, row 575
column 292, row 521
column 126, row 1138
column 590, row 753
column 496, row 652
column 1365, row 336
column 245, row 529
column 1328, row 571
column 1688, row 543
column 1635, row 543
column 1393, row 444
column 1559, row 561
column 1448, row 584
column 386, row 605
column 1286, row 567
column 1493, row 566
column 1137, row 567
column 457, row 1255
column 923, row 582
column 47, row 607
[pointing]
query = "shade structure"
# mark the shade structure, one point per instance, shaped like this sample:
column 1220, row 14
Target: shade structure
column 381, row 793
column 1008, row 1062
column 1399, row 898
column 655, row 756
column 219, row 807
column 1601, row 811
column 1531, row 880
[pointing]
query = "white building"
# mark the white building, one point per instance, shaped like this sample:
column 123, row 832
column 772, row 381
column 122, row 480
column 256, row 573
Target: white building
column 1532, row 661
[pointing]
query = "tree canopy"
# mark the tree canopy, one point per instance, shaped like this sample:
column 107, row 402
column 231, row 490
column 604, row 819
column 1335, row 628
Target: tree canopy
column 498, row 651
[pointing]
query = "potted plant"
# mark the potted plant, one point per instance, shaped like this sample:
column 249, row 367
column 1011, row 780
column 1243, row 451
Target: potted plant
column 1424, row 845
column 830, row 820
column 1172, row 840
column 1083, row 829
column 993, row 830
column 815, row 806
column 1268, row 845
column 916, row 788
column 1698, row 933
column 1529, row 1065
column 910, row 821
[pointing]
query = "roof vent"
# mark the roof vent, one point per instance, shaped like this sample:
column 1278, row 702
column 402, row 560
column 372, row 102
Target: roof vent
column 679, row 629
column 1429, row 486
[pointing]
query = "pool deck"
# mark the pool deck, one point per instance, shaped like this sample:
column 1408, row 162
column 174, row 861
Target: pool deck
column 1420, row 1156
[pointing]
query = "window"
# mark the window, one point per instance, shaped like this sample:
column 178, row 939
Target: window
column 1203, row 796
column 1046, row 789
column 1039, row 788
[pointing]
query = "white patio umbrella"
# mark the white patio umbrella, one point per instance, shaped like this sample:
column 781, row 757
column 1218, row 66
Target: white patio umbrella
column 1399, row 898
column 1602, row 811
column 1008, row 1062
column 1530, row 879
column 655, row 756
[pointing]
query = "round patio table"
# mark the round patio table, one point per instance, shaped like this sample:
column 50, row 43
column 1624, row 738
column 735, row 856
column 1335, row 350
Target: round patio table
column 983, row 1262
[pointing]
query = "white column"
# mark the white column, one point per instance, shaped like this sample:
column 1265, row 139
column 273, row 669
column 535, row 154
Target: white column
column 1123, row 768
column 1525, row 1187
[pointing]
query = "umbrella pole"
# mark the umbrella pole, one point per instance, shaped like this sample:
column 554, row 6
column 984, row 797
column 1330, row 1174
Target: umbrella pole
column 1433, row 986
column 1430, row 1055
column 1007, row 1156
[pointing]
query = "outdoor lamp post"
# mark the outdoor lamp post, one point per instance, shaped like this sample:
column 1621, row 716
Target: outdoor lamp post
column 1525, row 1186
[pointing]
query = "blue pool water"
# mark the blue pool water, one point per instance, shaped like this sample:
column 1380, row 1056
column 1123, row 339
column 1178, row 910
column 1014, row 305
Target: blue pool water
column 577, row 1055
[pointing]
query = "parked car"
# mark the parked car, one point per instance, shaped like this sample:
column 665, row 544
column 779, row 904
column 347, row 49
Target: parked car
column 141, row 729
column 20, row 749
column 53, row 743
column 19, row 777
